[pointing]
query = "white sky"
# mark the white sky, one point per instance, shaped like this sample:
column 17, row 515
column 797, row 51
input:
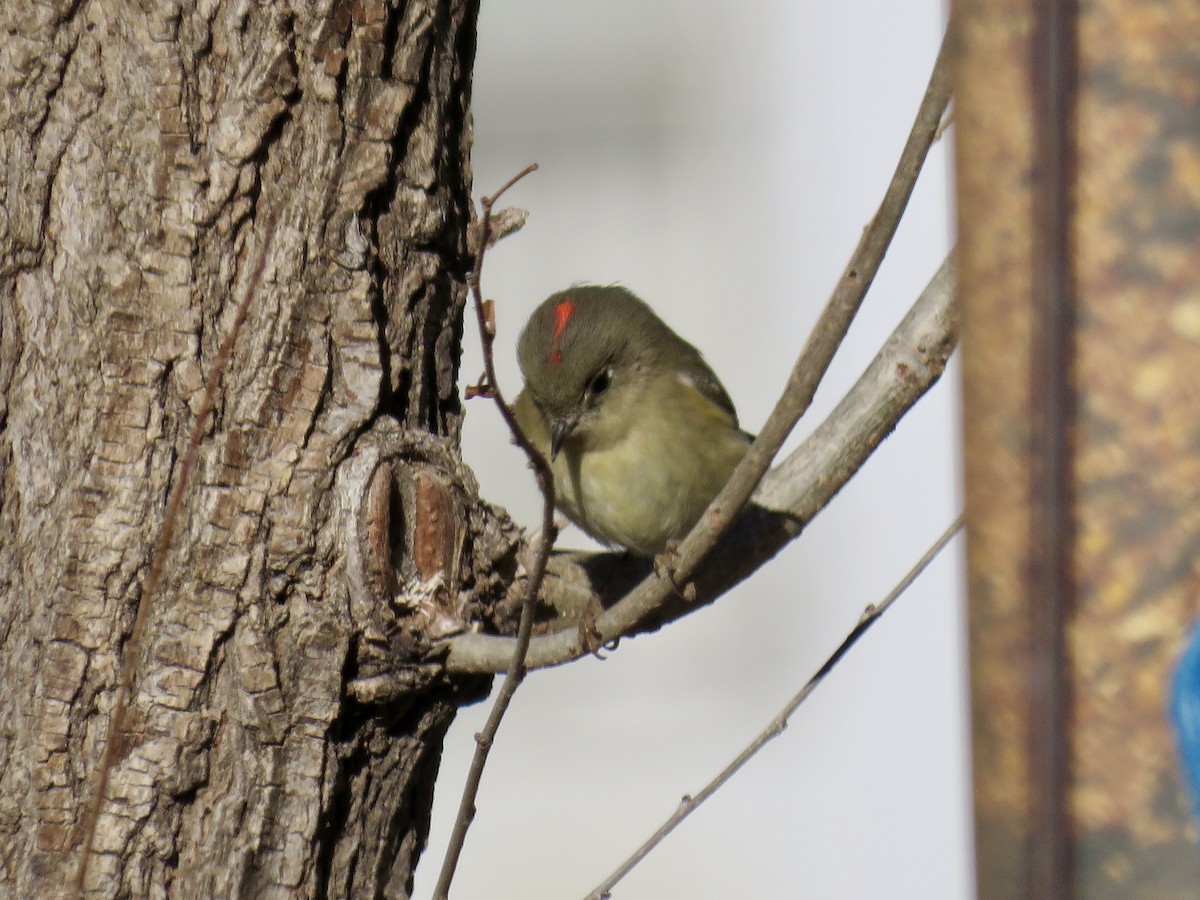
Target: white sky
column 721, row 159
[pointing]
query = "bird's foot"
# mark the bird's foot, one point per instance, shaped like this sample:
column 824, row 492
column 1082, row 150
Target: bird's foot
column 665, row 565
column 589, row 634
column 666, row 560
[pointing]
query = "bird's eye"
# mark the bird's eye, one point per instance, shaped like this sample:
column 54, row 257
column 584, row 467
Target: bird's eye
column 600, row 383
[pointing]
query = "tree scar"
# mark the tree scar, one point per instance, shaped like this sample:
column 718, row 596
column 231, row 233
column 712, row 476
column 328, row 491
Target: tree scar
column 562, row 314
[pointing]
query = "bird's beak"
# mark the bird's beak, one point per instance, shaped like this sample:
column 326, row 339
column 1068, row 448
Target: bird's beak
column 560, row 430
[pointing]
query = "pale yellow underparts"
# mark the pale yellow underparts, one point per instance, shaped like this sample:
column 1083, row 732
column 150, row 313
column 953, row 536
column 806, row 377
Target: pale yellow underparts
column 640, row 476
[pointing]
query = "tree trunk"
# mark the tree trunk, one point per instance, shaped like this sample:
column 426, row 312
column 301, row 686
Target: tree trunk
column 157, row 160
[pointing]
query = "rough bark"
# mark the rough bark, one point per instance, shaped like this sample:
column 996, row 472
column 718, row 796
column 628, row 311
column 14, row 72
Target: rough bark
column 151, row 156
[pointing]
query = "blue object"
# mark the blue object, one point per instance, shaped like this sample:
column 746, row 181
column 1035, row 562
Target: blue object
column 1185, row 711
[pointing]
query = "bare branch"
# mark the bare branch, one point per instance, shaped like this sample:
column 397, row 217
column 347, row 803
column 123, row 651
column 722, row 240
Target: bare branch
column 691, row 802
column 909, row 363
column 516, row 662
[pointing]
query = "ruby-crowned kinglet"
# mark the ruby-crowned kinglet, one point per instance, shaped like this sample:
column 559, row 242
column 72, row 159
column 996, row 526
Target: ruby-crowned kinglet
column 639, row 432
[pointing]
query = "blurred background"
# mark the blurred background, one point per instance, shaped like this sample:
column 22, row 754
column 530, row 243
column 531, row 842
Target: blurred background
column 721, row 160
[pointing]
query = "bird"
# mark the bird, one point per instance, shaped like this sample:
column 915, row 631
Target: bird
column 639, row 432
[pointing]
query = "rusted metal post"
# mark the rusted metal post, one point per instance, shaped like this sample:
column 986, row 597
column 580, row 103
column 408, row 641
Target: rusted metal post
column 1079, row 203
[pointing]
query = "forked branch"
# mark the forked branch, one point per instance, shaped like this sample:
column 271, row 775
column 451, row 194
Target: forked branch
column 908, row 364
column 649, row 599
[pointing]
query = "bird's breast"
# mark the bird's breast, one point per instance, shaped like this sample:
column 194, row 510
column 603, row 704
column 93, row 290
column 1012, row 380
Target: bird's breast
column 650, row 484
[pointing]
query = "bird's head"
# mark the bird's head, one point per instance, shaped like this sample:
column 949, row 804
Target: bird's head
column 586, row 353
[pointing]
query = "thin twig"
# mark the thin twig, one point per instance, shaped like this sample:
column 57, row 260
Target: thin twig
column 541, row 468
column 132, row 651
column 649, row 596
column 690, row 803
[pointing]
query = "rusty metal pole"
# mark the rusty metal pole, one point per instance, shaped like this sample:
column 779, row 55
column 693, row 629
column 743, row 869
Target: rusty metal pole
column 1078, row 135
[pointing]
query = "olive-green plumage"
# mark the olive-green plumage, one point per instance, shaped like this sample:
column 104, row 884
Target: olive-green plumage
column 639, row 432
